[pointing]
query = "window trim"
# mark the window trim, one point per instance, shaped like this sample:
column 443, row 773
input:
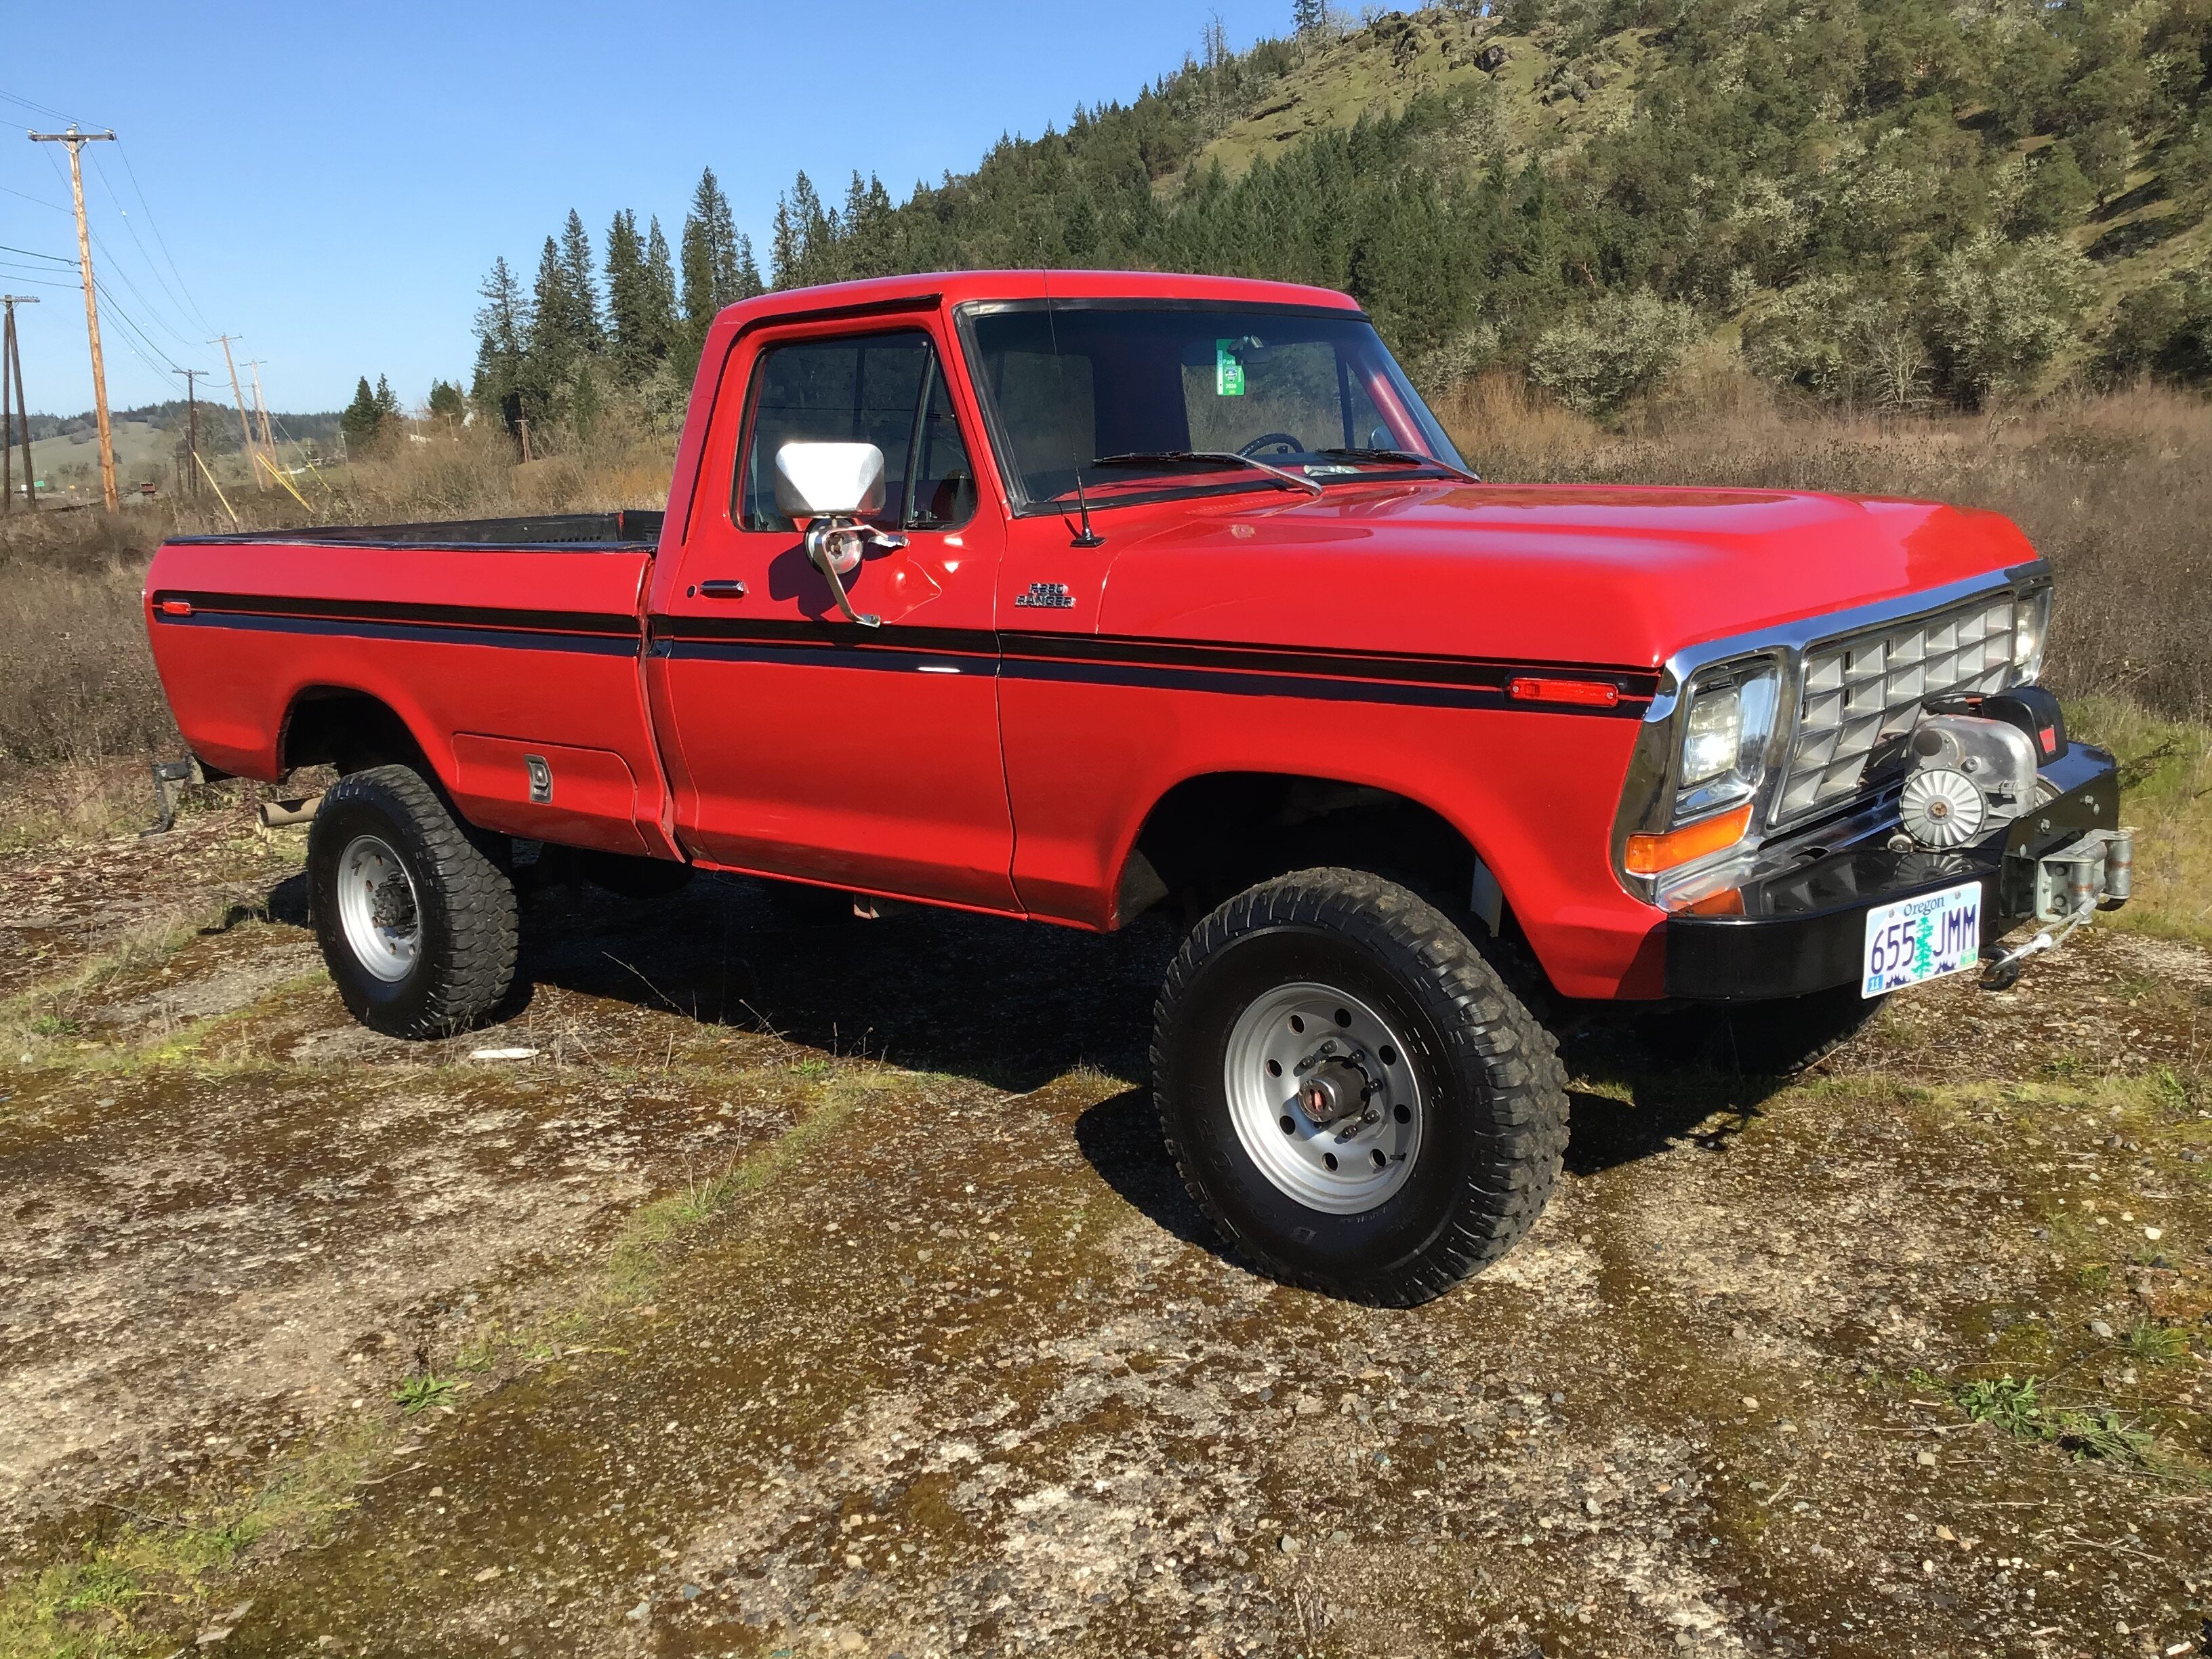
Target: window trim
column 748, row 424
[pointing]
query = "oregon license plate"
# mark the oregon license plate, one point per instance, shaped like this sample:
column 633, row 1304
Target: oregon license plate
column 1918, row 939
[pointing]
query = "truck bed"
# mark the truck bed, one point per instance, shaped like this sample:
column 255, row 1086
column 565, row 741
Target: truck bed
column 497, row 641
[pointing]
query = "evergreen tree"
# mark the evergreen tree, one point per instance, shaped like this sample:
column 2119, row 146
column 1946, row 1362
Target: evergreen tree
column 362, row 417
column 565, row 337
column 503, row 337
column 446, row 402
column 388, row 406
column 660, row 289
column 710, row 259
column 1309, row 18
column 750, row 286
column 639, row 315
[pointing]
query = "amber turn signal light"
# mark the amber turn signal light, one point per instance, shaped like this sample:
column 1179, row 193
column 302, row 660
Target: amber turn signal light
column 1649, row 855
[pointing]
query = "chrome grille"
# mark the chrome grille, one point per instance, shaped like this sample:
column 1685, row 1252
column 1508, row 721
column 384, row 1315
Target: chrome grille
column 1864, row 686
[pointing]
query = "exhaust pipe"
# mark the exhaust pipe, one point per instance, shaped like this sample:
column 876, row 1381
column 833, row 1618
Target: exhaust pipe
column 285, row 814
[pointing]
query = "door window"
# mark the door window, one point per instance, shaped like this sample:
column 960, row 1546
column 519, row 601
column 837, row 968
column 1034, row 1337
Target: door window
column 881, row 389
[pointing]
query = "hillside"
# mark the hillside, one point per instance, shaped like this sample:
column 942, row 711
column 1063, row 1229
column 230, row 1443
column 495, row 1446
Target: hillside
column 1887, row 203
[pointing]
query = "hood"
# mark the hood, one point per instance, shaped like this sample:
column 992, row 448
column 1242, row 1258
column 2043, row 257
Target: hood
column 1624, row 577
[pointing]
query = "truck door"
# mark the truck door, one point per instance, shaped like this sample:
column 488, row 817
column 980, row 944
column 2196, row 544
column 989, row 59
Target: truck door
column 805, row 744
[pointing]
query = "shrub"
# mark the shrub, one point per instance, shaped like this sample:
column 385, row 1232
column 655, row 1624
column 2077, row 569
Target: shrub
column 1624, row 344
column 1994, row 315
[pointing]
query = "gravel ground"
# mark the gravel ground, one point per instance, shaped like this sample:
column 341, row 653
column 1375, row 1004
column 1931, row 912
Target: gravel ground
column 817, row 1286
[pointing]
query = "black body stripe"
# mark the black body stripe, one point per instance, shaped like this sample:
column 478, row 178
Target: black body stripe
column 612, row 623
column 511, row 639
column 1170, row 664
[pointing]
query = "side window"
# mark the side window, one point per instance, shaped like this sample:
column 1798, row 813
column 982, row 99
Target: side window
column 880, row 389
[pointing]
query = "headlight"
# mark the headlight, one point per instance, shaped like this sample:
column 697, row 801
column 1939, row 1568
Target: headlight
column 1725, row 732
column 2030, row 627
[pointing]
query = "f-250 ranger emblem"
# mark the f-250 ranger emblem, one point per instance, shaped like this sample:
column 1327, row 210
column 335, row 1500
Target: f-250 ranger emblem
column 1046, row 596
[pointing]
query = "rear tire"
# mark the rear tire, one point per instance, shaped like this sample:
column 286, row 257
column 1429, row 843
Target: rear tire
column 415, row 915
column 1439, row 1117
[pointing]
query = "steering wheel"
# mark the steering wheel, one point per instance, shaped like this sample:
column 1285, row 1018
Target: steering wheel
column 1290, row 444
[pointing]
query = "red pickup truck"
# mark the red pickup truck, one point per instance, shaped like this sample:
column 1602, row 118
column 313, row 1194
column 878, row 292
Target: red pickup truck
column 1067, row 596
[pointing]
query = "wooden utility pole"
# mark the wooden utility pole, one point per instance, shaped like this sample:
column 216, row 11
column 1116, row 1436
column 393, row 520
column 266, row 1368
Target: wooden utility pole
column 261, row 410
column 245, row 425
column 77, row 140
column 12, row 363
column 191, row 470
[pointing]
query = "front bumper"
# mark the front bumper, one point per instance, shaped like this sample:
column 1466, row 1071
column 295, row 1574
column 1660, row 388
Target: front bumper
column 1803, row 929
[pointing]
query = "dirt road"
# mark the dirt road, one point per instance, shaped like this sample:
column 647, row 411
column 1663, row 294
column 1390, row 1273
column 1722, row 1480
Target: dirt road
column 813, row 1287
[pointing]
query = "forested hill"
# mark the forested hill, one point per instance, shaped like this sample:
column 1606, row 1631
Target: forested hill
column 1892, row 201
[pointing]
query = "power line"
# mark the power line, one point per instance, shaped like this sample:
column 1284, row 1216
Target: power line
column 39, row 201
column 33, row 253
column 161, row 241
column 124, row 214
column 43, row 109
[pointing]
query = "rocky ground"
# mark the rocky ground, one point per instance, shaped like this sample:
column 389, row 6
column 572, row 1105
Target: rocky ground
column 768, row 1283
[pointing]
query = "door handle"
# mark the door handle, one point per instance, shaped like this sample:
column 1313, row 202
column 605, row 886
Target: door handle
column 720, row 589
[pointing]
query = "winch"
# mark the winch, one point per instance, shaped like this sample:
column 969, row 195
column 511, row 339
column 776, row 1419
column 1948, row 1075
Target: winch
column 1974, row 766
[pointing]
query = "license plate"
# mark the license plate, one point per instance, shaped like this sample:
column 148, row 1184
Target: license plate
column 1918, row 939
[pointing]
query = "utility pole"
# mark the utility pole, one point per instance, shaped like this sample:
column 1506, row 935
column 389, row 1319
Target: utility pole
column 261, row 408
column 244, row 426
column 11, row 363
column 77, row 140
column 191, row 431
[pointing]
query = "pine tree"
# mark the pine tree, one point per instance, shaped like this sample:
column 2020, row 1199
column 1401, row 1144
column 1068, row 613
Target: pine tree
column 750, row 286
column 638, row 317
column 1309, row 18
column 805, row 238
column 582, row 286
column 710, row 259
column 362, row 416
column 446, row 402
column 502, row 336
column 387, row 406
column 660, row 289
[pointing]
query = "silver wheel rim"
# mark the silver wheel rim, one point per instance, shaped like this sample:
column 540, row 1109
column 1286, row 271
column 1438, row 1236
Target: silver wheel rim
column 1302, row 1036
column 378, row 910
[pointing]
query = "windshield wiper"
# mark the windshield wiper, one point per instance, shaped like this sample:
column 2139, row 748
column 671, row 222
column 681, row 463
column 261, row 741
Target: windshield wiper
column 1403, row 455
column 1207, row 457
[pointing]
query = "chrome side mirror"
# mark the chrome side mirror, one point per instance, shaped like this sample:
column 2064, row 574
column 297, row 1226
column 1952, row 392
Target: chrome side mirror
column 831, row 486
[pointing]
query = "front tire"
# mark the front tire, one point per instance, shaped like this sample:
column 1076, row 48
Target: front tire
column 416, row 920
column 1352, row 1093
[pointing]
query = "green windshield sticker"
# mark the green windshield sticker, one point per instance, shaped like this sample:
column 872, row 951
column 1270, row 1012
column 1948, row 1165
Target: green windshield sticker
column 1228, row 372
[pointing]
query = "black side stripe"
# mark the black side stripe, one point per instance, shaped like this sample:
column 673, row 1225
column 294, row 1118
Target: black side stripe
column 464, row 616
column 1170, row 664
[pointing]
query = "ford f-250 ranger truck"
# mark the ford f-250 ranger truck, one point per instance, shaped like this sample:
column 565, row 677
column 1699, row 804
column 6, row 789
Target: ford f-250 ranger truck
column 1067, row 596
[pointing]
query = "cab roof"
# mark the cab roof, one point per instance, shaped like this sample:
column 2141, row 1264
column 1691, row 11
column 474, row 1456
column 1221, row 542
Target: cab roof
column 955, row 288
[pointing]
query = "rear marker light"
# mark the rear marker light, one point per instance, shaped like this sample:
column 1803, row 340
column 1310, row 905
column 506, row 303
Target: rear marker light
column 176, row 607
column 1648, row 855
column 1587, row 694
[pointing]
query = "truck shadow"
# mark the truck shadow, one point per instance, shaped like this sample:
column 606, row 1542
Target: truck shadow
column 1013, row 1006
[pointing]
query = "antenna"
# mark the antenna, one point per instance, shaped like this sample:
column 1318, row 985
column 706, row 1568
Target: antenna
column 1089, row 537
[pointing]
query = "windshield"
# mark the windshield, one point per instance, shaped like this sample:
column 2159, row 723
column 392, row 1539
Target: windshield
column 1148, row 400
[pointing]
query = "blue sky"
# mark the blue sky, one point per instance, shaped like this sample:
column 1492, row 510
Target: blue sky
column 331, row 182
